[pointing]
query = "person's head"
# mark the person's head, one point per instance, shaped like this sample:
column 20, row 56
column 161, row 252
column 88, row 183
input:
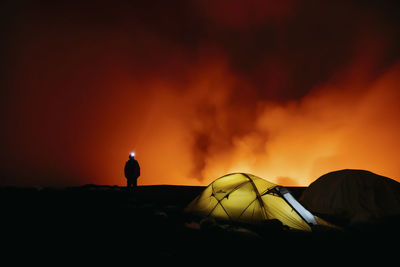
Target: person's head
column 132, row 155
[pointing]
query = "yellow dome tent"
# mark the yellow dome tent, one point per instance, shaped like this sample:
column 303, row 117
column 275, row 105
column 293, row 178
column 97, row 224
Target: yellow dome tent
column 246, row 198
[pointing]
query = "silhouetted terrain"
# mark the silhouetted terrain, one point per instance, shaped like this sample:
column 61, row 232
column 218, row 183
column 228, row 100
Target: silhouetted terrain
column 103, row 220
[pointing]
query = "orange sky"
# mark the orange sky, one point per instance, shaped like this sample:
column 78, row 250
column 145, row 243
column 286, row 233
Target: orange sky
column 331, row 128
column 287, row 91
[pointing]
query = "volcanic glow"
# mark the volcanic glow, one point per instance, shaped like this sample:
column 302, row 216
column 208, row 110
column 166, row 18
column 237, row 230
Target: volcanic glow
column 199, row 89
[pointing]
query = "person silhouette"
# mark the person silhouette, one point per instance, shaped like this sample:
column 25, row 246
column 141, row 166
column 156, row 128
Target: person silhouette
column 132, row 172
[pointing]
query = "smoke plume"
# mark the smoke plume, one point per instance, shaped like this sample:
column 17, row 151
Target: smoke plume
column 287, row 91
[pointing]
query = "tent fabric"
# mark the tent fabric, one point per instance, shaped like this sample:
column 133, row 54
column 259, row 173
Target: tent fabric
column 353, row 197
column 246, row 198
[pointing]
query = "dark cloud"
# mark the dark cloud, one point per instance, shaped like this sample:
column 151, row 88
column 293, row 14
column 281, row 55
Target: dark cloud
column 83, row 81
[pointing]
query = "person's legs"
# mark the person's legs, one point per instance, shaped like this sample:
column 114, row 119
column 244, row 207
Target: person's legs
column 134, row 184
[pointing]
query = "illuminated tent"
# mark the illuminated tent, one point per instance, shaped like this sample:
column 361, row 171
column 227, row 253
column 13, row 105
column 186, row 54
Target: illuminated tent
column 353, row 197
column 246, row 198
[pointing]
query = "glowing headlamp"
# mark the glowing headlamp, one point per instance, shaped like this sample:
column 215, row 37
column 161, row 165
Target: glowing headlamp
column 132, row 154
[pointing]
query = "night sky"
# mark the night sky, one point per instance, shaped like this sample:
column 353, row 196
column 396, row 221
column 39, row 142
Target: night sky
column 286, row 90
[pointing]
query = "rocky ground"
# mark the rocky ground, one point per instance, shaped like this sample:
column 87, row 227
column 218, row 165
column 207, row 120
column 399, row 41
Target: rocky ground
column 99, row 221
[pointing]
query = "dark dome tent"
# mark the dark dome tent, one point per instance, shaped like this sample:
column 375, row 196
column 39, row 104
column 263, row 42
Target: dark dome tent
column 353, row 197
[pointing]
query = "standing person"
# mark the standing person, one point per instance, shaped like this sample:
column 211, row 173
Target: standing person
column 132, row 171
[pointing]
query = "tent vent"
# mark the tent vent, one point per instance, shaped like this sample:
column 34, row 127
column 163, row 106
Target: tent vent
column 303, row 212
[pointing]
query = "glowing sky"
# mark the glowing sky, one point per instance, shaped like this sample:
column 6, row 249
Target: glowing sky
column 285, row 90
